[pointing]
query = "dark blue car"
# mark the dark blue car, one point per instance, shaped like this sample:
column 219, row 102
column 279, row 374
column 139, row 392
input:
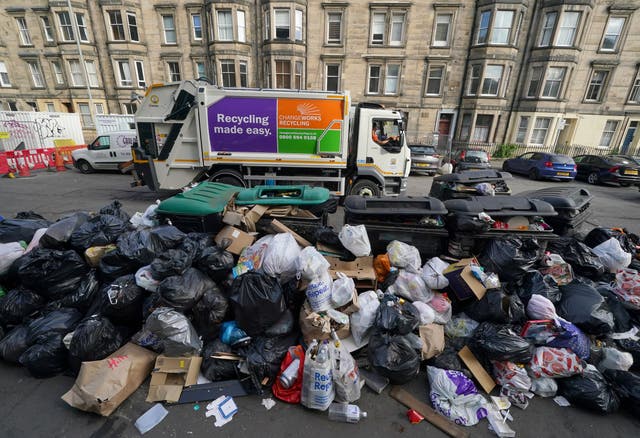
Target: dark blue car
column 542, row 165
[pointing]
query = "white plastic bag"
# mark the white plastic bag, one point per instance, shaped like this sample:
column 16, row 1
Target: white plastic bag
column 404, row 256
column 510, row 374
column 427, row 314
column 281, row 255
column 317, row 379
column 411, row 286
column 346, row 377
column 445, row 169
column 319, row 292
column 343, row 289
column 455, row 396
column 355, row 239
column 544, row 386
column 540, row 307
column 442, row 308
column 9, row 252
column 311, row 263
column 362, row 320
column 432, row 273
column 628, row 288
column 255, row 253
column 612, row 256
column 146, row 219
column 145, row 280
column 615, row 360
column 35, row 240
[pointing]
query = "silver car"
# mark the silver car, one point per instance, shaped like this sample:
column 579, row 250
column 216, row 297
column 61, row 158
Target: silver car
column 424, row 159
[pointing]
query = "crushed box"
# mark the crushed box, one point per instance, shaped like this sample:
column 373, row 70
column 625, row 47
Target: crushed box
column 239, row 239
column 171, row 375
column 462, row 282
column 360, row 269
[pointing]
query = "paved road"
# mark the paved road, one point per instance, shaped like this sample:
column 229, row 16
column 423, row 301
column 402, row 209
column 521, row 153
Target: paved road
column 32, row 407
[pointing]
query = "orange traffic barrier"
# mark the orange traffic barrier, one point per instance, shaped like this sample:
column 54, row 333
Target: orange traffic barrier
column 60, row 167
column 23, row 170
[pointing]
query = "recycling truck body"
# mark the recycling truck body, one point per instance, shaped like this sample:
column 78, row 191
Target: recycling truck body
column 192, row 131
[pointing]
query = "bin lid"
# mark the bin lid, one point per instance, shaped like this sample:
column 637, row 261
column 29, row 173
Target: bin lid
column 206, row 198
column 500, row 206
column 283, row 195
column 565, row 197
column 394, row 206
column 474, row 176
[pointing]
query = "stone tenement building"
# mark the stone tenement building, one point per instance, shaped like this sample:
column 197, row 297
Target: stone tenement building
column 535, row 72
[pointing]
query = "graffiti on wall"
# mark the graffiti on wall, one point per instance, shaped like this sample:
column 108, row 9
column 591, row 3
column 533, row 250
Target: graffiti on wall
column 47, row 127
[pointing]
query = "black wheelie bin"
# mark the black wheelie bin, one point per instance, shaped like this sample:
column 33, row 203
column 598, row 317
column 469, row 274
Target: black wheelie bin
column 513, row 216
column 415, row 220
column 464, row 184
column 573, row 205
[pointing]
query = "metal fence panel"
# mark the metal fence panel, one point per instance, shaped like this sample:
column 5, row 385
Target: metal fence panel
column 113, row 122
column 38, row 130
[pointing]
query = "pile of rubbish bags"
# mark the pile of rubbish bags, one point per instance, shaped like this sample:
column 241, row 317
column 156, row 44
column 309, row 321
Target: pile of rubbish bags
column 561, row 320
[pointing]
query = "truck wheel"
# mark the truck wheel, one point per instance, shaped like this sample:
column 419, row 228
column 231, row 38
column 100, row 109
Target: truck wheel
column 365, row 188
column 228, row 176
column 84, row 166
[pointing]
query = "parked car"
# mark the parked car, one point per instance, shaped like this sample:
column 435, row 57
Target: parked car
column 465, row 159
column 540, row 165
column 424, row 159
column 608, row 168
column 627, row 157
column 106, row 152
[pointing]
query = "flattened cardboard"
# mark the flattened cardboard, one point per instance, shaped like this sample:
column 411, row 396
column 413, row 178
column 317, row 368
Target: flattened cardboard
column 360, row 269
column 481, row 375
column 171, row 375
column 239, row 239
column 462, row 282
column 282, row 228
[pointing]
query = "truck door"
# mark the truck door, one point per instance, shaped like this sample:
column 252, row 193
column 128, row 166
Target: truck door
column 99, row 152
column 385, row 147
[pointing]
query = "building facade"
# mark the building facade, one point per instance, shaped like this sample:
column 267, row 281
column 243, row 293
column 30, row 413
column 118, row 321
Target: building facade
column 542, row 73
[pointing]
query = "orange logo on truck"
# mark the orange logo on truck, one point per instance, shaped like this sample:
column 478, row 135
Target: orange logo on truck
column 308, row 113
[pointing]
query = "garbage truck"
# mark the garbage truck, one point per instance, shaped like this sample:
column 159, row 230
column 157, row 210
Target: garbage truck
column 192, row 131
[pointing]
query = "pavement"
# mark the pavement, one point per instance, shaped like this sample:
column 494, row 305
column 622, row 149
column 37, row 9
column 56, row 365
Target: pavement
column 33, row 408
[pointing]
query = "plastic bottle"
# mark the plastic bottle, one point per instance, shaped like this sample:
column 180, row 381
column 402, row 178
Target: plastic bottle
column 323, row 353
column 345, row 413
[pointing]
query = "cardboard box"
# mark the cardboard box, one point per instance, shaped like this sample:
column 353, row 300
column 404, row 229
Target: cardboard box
column 462, row 281
column 480, row 374
column 239, row 239
column 360, row 269
column 171, row 375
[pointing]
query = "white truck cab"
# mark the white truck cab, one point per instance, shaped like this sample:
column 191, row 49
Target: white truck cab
column 106, row 152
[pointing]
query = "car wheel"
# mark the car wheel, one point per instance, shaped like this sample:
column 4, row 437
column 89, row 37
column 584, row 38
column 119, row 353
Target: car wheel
column 365, row 188
column 533, row 174
column 505, row 167
column 593, row 178
column 85, row 167
column 624, row 184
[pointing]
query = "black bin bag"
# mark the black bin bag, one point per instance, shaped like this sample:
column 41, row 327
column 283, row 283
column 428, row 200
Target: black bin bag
column 85, row 295
column 583, row 305
column 393, row 356
column 182, row 292
column 114, row 264
column 19, row 303
column 14, row 344
column 169, row 263
column 533, row 282
column 218, row 369
column 398, row 319
column 590, row 390
column 23, row 227
column 93, row 339
column 627, row 386
column 264, row 355
column 115, row 209
column 501, row 343
column 122, row 301
column 98, row 231
column 58, row 235
column 61, row 321
column 496, row 306
column 216, row 263
column 510, row 258
column 209, row 312
column 257, row 301
column 46, row 358
column 52, row 273
column 145, row 245
column 582, row 259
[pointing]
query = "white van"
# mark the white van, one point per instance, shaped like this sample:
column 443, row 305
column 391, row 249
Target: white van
column 106, row 152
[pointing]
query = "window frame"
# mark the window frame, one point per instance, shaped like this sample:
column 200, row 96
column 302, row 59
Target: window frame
column 547, row 80
column 92, row 73
column 196, row 28
column 129, row 108
column 546, row 28
column 4, row 72
column 282, row 75
column 435, row 42
column 430, row 78
column 485, row 77
column 243, row 73
column 23, row 32
column 474, row 134
column 47, row 30
column 337, row 77
column 35, row 71
column 83, row 30
column 123, row 80
column 83, row 115
column 521, row 132
column 77, row 77
column 378, row 78
column 133, row 25
column 51, row 107
column 298, row 28
column 560, row 27
column 493, row 27
column 113, row 14
column 228, row 75
column 634, row 90
column 241, row 25
column 389, row 26
column 328, row 21
column 610, row 134
column 535, row 129
column 172, row 72
column 58, row 72
column 474, row 79
column 280, row 26
column 618, row 38
column 138, row 66
column 388, row 77
column 66, row 30
column 224, row 31
column 601, row 87
column 483, row 30
column 167, row 31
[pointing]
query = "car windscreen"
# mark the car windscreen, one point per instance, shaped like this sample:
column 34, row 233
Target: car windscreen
column 476, row 157
column 427, row 150
column 561, row 159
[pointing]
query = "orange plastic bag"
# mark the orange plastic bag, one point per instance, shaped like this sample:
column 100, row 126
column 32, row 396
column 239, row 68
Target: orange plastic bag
column 382, row 266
